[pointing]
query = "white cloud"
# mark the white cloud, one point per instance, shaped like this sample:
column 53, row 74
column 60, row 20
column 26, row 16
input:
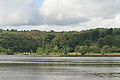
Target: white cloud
column 60, row 14
column 17, row 12
column 75, row 11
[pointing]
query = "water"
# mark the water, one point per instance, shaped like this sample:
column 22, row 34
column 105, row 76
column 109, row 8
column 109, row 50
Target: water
column 59, row 68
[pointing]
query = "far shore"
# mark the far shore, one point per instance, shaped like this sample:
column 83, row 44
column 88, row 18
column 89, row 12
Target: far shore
column 73, row 55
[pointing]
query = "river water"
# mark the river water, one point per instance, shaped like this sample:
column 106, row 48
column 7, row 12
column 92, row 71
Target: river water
column 59, row 68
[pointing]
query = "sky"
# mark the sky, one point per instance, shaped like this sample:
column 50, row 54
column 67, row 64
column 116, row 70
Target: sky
column 38, row 2
column 59, row 15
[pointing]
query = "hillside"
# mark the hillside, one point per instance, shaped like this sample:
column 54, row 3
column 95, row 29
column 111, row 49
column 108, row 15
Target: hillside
column 100, row 40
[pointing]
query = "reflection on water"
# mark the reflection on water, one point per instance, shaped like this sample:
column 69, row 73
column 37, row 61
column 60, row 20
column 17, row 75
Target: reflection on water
column 59, row 68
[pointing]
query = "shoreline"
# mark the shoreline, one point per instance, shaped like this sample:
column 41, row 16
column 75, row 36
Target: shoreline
column 67, row 55
column 74, row 54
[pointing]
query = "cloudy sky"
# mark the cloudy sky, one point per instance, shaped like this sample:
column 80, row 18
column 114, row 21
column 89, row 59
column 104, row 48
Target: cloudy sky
column 59, row 15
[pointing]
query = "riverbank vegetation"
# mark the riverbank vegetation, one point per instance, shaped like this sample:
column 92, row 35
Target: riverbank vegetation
column 95, row 41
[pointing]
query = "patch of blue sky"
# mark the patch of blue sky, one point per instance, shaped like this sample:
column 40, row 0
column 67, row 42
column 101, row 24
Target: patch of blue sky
column 38, row 2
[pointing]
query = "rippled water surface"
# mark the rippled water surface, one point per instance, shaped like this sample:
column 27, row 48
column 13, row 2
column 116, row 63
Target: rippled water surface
column 59, row 68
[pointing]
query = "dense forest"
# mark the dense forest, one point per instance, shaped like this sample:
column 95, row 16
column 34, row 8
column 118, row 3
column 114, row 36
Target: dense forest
column 100, row 40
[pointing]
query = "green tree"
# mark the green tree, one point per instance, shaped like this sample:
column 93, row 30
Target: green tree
column 82, row 49
column 2, row 49
column 105, row 49
column 66, row 49
column 40, row 51
column 100, row 42
column 94, row 49
column 108, row 40
column 87, row 42
column 9, row 52
column 56, row 49
column 109, row 31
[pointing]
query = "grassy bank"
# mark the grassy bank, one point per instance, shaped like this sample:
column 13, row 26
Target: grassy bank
column 90, row 56
column 75, row 55
column 70, row 54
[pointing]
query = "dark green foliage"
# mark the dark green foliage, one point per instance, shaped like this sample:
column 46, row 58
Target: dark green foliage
column 83, row 49
column 100, row 40
column 105, row 49
column 6, row 51
column 19, row 44
column 94, row 49
column 109, row 31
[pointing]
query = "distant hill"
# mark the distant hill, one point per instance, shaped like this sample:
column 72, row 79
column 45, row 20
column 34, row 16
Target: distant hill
column 100, row 40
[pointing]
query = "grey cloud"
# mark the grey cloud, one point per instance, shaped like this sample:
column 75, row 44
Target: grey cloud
column 59, row 12
column 73, row 11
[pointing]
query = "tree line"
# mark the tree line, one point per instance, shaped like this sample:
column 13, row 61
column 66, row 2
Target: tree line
column 99, row 40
